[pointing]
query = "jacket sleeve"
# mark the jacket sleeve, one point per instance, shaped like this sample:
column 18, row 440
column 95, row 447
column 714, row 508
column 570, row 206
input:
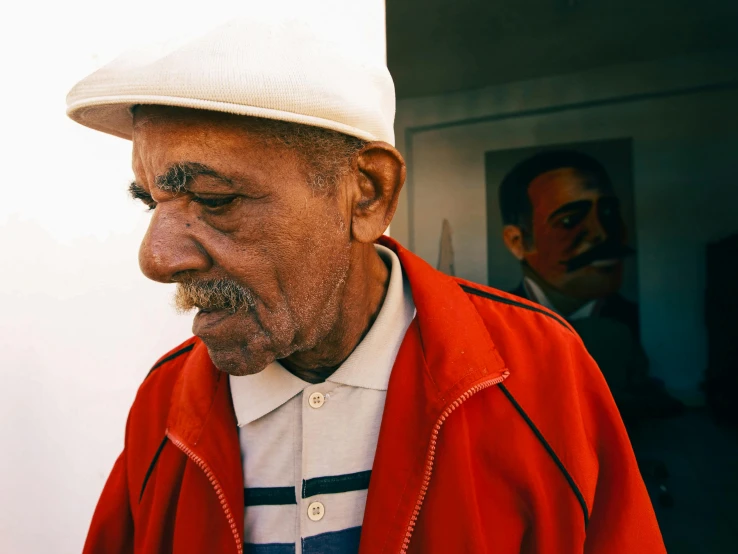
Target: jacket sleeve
column 621, row 515
column 111, row 530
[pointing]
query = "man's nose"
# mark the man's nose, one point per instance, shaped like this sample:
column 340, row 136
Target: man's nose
column 169, row 248
column 596, row 232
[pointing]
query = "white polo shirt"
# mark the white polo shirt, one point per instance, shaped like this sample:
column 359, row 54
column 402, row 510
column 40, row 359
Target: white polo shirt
column 308, row 450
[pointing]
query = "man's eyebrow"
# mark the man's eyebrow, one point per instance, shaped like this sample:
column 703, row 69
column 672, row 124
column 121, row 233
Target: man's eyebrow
column 137, row 192
column 178, row 176
column 578, row 205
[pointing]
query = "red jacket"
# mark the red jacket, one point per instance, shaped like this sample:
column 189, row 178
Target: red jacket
column 499, row 435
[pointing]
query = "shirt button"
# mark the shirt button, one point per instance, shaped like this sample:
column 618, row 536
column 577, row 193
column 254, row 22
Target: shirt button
column 316, row 400
column 316, row 511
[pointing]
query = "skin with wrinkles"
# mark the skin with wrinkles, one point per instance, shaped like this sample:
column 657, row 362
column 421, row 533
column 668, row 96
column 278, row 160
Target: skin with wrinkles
column 279, row 269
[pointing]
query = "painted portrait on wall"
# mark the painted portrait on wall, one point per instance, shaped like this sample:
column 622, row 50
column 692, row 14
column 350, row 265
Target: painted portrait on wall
column 566, row 214
column 567, row 220
column 563, row 222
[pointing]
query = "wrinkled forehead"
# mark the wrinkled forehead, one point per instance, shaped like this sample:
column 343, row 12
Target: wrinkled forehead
column 146, row 118
column 165, row 135
column 557, row 187
column 229, row 144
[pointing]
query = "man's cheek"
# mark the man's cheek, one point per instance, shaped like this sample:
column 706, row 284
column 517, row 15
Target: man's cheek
column 551, row 247
column 564, row 243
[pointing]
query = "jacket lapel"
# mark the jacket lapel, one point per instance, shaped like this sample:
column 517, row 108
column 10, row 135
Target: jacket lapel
column 446, row 353
column 203, row 420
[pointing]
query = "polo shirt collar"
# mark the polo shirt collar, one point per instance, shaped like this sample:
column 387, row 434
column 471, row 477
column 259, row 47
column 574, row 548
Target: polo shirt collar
column 256, row 395
column 369, row 365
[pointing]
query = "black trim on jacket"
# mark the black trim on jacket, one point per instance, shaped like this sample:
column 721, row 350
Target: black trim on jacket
column 171, row 357
column 550, row 451
column 151, row 468
column 508, row 301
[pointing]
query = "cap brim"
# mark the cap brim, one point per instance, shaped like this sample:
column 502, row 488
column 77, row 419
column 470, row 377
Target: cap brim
column 113, row 115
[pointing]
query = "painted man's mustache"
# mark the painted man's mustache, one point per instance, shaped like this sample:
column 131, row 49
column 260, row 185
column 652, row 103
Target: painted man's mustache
column 212, row 295
column 603, row 251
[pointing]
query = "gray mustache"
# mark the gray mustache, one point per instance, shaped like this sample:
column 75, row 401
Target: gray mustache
column 212, row 295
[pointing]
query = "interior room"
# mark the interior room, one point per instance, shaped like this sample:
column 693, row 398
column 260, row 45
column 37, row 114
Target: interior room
column 650, row 90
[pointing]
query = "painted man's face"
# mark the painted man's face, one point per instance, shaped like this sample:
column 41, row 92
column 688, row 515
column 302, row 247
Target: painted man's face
column 578, row 234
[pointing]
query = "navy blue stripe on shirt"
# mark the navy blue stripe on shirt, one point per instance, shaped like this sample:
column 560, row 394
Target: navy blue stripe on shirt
column 271, row 548
column 269, row 496
column 336, row 484
column 336, row 542
column 280, row 496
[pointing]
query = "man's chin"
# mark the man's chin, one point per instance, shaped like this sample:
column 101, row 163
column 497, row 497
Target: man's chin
column 212, row 323
column 221, row 332
column 237, row 362
column 596, row 284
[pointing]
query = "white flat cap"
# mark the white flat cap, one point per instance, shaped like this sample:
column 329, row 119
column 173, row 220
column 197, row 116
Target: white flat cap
column 275, row 68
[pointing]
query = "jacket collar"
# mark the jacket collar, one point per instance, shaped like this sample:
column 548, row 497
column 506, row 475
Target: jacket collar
column 197, row 396
column 456, row 345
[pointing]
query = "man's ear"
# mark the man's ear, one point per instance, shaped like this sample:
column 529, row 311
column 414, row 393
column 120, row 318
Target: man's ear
column 514, row 240
column 381, row 174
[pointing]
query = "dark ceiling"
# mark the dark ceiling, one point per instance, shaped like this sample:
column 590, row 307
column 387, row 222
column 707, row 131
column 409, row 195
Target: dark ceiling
column 436, row 46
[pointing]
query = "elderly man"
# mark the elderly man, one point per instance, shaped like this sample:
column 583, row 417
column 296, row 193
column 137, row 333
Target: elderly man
column 339, row 395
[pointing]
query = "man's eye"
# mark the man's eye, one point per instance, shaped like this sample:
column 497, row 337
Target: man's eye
column 571, row 220
column 213, row 203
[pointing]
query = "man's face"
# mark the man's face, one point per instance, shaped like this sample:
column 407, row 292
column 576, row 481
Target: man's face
column 578, row 234
column 238, row 211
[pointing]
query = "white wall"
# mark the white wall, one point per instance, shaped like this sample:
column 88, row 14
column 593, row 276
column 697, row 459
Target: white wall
column 79, row 325
column 683, row 118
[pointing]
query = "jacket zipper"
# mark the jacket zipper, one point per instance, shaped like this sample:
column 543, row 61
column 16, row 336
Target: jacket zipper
column 216, row 485
column 432, row 451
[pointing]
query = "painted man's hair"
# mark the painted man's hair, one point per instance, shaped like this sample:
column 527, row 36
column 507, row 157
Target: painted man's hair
column 515, row 204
